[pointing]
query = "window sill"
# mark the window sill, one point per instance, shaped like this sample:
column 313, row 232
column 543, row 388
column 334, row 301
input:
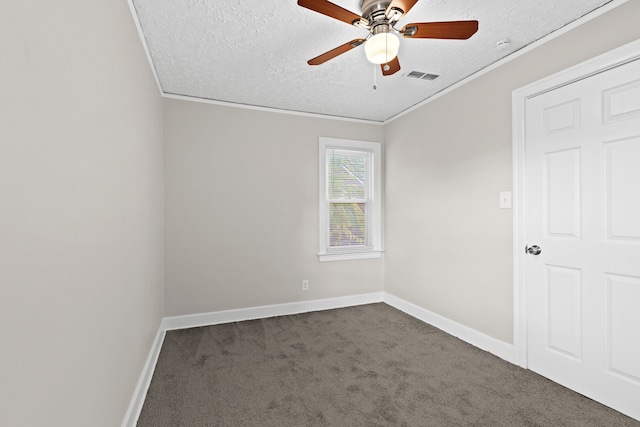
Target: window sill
column 348, row 256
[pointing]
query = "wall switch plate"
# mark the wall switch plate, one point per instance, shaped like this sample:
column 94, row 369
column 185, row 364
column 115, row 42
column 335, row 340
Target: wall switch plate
column 305, row 285
column 505, row 200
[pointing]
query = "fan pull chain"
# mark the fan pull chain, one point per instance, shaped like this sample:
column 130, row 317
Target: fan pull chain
column 374, row 77
column 386, row 48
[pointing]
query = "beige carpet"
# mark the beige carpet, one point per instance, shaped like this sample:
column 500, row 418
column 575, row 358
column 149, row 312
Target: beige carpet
column 370, row 365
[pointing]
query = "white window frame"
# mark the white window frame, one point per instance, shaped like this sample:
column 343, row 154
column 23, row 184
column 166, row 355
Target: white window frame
column 374, row 214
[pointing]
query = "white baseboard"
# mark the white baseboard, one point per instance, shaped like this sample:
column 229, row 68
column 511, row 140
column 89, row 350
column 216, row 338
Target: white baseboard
column 140, row 394
column 499, row 348
column 250, row 313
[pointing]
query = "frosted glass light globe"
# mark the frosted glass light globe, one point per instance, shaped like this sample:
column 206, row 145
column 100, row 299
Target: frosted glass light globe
column 382, row 48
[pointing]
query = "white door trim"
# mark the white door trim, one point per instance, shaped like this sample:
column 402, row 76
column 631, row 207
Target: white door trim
column 614, row 58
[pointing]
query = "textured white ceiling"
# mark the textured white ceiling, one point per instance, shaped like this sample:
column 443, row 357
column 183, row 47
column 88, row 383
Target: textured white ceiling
column 255, row 52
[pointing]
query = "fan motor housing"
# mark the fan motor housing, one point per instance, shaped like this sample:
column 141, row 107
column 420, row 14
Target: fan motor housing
column 374, row 10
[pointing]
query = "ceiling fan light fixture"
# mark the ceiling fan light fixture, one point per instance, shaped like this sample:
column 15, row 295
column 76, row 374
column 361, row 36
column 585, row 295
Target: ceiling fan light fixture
column 382, row 47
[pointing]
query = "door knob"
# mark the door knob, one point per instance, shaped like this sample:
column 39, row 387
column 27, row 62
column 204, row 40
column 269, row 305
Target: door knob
column 533, row 250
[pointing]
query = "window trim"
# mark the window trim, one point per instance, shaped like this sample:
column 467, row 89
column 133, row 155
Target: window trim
column 327, row 253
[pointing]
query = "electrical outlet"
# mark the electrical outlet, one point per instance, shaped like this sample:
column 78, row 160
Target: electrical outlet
column 305, row 285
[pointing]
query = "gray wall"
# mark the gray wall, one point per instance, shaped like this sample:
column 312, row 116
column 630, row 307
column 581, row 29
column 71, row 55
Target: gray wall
column 448, row 245
column 242, row 209
column 80, row 212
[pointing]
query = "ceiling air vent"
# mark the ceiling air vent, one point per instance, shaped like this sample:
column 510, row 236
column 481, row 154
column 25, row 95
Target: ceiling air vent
column 421, row 76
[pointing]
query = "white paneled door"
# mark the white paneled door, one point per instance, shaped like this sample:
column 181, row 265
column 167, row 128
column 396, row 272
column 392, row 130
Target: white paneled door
column 583, row 212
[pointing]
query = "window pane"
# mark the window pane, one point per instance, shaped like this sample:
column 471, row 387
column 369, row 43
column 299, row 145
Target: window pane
column 347, row 224
column 347, row 174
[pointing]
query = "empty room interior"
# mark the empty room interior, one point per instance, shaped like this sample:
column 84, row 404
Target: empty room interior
column 160, row 171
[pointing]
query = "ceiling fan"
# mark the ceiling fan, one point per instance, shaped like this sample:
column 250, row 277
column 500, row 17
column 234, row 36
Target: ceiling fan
column 379, row 17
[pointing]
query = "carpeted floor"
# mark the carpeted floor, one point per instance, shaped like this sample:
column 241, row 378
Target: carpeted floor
column 369, row 365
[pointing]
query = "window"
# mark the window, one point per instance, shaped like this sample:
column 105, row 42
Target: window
column 350, row 205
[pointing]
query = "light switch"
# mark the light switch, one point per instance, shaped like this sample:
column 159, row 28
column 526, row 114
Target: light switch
column 505, row 200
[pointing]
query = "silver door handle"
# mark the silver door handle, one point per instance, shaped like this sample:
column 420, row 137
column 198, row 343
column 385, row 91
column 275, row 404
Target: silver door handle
column 533, row 250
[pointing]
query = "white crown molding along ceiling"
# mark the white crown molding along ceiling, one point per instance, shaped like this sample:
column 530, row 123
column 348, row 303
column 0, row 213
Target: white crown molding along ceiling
column 254, row 53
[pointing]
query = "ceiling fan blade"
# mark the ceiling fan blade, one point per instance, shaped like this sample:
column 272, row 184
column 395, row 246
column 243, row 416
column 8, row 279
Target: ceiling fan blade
column 392, row 67
column 460, row 30
column 332, row 10
column 320, row 59
column 404, row 5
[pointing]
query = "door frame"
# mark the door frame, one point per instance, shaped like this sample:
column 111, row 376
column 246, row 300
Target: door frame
column 614, row 58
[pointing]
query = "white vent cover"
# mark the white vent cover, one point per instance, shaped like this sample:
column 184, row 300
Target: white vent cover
column 421, row 76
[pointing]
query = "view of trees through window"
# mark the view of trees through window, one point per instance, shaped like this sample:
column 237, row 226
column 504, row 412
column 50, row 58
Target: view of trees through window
column 347, row 179
column 347, row 225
